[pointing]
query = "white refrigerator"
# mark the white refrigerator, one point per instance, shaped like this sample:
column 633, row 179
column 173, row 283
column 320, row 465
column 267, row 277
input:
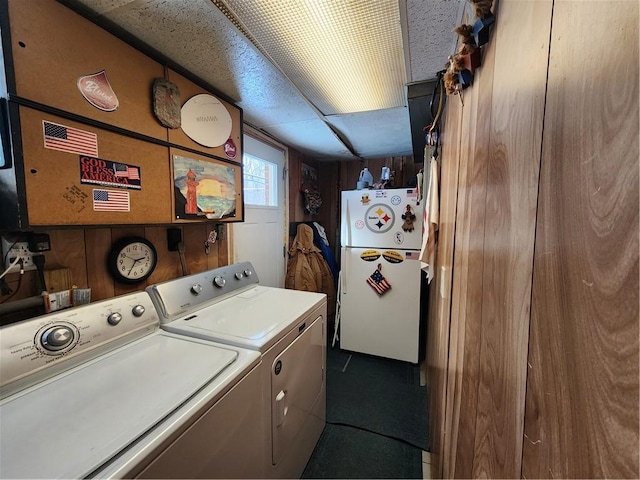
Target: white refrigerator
column 380, row 317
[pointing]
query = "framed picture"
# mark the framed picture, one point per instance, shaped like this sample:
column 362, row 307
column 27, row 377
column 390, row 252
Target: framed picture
column 205, row 188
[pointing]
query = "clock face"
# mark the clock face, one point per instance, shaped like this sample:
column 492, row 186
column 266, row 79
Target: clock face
column 132, row 260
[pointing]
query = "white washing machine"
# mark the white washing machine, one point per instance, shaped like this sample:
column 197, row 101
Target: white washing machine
column 287, row 327
column 101, row 391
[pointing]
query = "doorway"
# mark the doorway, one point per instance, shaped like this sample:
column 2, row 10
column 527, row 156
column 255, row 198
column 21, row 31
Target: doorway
column 261, row 238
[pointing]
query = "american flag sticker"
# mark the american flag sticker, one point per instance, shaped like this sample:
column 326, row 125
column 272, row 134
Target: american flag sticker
column 126, row 171
column 69, row 139
column 111, row 201
column 377, row 281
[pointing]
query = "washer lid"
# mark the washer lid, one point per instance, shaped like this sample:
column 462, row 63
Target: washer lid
column 254, row 318
column 73, row 423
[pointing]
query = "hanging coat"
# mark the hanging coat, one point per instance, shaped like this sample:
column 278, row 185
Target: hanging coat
column 307, row 269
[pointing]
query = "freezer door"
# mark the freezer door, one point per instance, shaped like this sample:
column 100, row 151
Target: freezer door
column 373, row 218
column 385, row 325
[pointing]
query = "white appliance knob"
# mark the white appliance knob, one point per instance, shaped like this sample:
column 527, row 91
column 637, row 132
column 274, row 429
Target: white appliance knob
column 114, row 318
column 219, row 282
column 196, row 289
column 56, row 338
column 238, row 275
column 248, row 273
column 138, row 310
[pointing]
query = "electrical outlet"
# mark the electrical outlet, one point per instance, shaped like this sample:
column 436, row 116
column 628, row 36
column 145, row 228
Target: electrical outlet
column 11, row 250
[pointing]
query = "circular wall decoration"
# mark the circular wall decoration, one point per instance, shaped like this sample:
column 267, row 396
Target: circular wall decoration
column 205, row 120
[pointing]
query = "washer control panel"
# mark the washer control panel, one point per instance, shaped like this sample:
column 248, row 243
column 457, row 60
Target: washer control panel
column 182, row 295
column 37, row 344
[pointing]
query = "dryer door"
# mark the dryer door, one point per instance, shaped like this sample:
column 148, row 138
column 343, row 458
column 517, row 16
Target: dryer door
column 296, row 385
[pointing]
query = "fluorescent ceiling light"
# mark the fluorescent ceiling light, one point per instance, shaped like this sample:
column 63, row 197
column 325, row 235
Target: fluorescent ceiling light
column 344, row 56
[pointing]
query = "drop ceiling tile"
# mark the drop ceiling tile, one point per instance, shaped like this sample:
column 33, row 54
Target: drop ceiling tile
column 314, row 138
column 431, row 37
column 379, row 133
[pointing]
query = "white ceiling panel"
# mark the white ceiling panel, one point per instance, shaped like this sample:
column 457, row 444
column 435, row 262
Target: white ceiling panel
column 430, row 27
column 319, row 141
column 380, row 133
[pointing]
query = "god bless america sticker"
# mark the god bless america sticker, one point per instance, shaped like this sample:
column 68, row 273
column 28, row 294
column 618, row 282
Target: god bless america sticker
column 96, row 171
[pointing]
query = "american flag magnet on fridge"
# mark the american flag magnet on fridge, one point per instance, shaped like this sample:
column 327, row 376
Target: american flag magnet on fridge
column 377, row 281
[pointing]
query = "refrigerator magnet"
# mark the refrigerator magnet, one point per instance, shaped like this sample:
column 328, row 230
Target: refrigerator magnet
column 377, row 282
column 370, row 255
column 392, row 256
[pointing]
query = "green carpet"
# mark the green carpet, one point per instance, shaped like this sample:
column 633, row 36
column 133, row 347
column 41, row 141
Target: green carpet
column 379, row 395
column 346, row 452
column 377, row 419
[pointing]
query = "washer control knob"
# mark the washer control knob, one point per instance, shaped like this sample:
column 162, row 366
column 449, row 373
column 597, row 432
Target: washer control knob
column 219, row 282
column 239, row 275
column 114, row 318
column 247, row 272
column 196, row 289
column 56, row 338
column 138, row 310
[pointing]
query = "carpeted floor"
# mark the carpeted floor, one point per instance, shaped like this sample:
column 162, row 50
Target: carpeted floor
column 347, row 452
column 376, row 419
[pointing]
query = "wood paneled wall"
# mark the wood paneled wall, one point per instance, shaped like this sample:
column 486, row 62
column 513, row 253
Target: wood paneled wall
column 541, row 351
column 582, row 389
column 84, row 252
column 404, row 171
column 437, row 350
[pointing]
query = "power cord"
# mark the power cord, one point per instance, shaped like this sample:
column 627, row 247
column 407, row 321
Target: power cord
column 183, row 261
column 5, row 289
column 41, row 284
column 392, row 437
column 17, row 287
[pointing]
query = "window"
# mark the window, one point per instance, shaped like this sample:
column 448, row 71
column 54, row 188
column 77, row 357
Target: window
column 260, row 181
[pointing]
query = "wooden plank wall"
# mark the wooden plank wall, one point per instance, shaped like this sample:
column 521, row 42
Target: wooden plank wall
column 582, row 392
column 466, row 294
column 404, row 170
column 84, row 253
column 517, row 110
column 550, row 169
column 439, row 305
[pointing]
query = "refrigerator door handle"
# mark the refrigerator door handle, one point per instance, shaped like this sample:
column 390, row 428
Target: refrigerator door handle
column 347, row 225
column 343, row 276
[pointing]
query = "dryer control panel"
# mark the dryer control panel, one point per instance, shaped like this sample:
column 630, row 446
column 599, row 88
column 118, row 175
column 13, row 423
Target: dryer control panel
column 35, row 349
column 182, row 295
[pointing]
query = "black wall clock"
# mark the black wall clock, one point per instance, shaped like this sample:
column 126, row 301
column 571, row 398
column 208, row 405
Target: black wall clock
column 132, row 259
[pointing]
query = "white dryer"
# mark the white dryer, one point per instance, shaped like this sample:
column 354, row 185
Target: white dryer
column 101, row 391
column 287, row 327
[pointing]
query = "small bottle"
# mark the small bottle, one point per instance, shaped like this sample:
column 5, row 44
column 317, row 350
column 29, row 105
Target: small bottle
column 366, row 179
